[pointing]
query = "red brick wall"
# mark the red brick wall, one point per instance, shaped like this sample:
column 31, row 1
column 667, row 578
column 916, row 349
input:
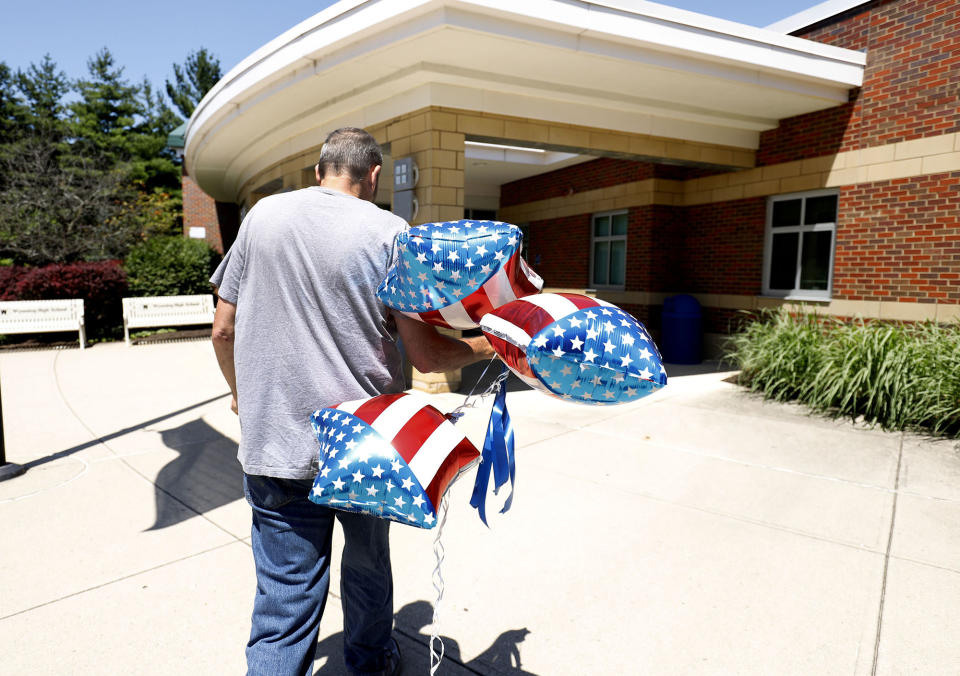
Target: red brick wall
column 723, row 247
column 200, row 211
column 911, row 85
column 600, row 173
column 900, row 240
column 559, row 250
column 813, row 135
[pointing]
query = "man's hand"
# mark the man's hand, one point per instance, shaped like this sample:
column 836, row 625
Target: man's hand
column 432, row 352
column 233, row 405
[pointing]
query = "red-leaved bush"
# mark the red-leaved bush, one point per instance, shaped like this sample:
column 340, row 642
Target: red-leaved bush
column 100, row 284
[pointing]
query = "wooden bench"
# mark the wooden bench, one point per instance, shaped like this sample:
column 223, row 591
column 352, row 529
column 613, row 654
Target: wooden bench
column 43, row 316
column 157, row 311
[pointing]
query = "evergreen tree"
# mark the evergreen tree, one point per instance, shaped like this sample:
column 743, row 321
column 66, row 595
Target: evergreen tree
column 83, row 181
column 193, row 80
column 43, row 87
column 104, row 120
column 13, row 110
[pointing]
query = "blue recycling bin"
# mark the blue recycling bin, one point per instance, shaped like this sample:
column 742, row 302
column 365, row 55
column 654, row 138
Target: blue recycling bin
column 681, row 340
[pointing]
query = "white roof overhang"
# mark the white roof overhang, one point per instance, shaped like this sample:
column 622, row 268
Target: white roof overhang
column 625, row 65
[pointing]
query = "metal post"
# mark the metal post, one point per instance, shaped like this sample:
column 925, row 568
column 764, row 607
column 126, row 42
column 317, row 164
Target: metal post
column 8, row 470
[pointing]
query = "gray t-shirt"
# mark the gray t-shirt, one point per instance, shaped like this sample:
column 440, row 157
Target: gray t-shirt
column 310, row 331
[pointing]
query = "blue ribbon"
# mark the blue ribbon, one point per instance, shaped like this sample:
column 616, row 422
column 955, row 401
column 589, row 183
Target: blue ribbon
column 497, row 456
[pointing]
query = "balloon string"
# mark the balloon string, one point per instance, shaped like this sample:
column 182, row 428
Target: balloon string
column 438, row 551
column 492, row 389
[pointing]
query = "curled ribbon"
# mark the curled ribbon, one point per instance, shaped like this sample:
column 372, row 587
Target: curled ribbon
column 497, row 455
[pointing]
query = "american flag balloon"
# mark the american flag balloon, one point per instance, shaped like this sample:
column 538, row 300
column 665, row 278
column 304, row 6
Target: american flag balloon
column 392, row 456
column 451, row 274
column 577, row 348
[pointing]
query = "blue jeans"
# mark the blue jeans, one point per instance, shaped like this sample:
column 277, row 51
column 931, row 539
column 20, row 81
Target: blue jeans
column 291, row 539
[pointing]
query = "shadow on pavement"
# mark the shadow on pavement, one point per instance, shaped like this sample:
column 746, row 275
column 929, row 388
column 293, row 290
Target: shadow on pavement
column 119, row 433
column 502, row 658
column 206, row 475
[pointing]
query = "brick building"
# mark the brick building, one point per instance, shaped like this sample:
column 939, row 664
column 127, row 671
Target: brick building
column 647, row 151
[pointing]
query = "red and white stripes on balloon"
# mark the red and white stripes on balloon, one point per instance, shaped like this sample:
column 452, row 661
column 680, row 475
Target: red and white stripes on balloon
column 513, row 280
column 432, row 447
column 510, row 329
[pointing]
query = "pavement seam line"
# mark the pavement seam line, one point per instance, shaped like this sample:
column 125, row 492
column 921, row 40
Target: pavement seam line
column 99, row 439
column 119, row 579
column 886, row 562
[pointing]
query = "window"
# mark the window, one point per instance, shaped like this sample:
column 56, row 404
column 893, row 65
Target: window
column 608, row 258
column 798, row 251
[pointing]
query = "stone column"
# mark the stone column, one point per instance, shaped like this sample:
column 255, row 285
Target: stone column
column 432, row 139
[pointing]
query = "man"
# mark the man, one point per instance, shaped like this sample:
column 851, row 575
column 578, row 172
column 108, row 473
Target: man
column 298, row 327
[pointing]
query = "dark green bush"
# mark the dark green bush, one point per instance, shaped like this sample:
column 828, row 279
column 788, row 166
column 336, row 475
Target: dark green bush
column 170, row 266
column 900, row 376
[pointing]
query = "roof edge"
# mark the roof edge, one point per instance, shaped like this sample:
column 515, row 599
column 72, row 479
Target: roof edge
column 814, row 14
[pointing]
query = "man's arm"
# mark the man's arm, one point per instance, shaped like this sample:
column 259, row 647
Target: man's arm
column 432, row 352
column 223, row 330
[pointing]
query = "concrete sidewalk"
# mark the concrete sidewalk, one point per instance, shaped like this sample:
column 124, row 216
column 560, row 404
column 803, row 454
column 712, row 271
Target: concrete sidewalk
column 698, row 531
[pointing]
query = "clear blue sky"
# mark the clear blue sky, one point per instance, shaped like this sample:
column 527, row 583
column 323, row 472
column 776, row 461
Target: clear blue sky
column 147, row 38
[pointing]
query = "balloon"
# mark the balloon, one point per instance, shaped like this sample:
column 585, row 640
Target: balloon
column 577, row 348
column 451, row 274
column 392, row 456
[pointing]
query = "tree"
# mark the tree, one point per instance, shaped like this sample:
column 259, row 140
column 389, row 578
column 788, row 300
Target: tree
column 198, row 74
column 13, row 110
column 50, row 213
column 88, row 179
column 104, row 120
column 43, row 87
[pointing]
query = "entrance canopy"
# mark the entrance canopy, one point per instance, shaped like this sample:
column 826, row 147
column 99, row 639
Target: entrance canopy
column 620, row 65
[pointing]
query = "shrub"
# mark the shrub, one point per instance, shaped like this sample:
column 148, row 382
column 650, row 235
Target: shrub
column 100, row 284
column 170, row 266
column 9, row 274
column 900, row 376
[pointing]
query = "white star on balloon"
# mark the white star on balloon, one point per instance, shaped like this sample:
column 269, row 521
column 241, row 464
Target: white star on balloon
column 407, row 484
column 576, row 343
column 338, row 484
column 378, row 471
column 358, row 476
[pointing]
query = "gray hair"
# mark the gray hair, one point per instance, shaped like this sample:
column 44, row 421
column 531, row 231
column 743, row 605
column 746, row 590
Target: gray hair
column 349, row 151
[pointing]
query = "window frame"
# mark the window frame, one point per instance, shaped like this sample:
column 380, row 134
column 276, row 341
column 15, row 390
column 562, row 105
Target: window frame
column 608, row 238
column 797, row 293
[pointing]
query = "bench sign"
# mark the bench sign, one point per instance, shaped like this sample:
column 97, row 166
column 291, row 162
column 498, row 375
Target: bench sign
column 154, row 311
column 43, row 316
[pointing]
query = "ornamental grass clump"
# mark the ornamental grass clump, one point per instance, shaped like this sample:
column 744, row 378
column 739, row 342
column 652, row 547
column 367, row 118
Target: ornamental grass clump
column 900, row 376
